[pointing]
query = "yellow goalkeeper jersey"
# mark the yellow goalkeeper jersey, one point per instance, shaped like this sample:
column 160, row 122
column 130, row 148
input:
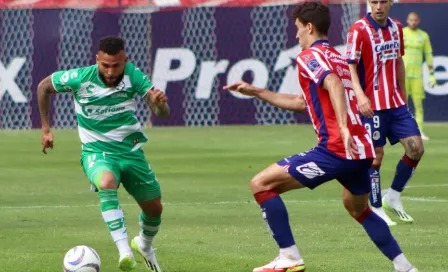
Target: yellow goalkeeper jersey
column 416, row 45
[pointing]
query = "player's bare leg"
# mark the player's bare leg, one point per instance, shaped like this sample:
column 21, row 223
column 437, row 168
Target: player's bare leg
column 114, row 217
column 150, row 219
column 375, row 191
column 378, row 231
column 266, row 187
column 404, row 171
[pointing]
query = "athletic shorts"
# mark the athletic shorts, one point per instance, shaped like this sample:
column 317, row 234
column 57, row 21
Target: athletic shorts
column 130, row 169
column 393, row 124
column 319, row 165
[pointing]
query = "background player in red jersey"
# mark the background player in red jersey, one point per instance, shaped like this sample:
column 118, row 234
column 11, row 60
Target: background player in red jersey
column 374, row 50
column 344, row 152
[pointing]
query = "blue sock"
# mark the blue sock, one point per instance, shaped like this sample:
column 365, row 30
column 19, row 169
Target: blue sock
column 380, row 234
column 403, row 173
column 375, row 190
column 276, row 217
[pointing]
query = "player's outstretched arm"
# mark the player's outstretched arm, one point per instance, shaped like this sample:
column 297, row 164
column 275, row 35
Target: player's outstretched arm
column 158, row 103
column 337, row 95
column 363, row 101
column 44, row 90
column 285, row 101
column 402, row 76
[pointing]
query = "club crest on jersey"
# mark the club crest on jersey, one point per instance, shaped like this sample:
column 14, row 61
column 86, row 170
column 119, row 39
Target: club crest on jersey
column 395, row 35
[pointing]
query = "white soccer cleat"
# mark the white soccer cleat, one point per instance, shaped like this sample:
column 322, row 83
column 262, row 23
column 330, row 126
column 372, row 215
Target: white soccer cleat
column 381, row 213
column 396, row 207
column 424, row 137
column 282, row 264
column 149, row 257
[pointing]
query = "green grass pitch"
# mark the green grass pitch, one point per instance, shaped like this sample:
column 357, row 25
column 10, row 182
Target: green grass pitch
column 210, row 221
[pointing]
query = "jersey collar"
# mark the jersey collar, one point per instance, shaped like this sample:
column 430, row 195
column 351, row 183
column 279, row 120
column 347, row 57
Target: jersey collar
column 375, row 25
column 318, row 42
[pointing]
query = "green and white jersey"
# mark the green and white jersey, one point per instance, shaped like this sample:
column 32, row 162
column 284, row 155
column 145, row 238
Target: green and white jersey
column 106, row 116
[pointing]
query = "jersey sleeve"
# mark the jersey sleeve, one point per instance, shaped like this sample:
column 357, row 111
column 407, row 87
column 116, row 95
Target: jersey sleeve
column 66, row 81
column 354, row 44
column 314, row 65
column 427, row 50
column 141, row 82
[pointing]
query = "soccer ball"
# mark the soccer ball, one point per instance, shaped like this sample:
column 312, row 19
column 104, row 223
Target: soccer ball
column 81, row 259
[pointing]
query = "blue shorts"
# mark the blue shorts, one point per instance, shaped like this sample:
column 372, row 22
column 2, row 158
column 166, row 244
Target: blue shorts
column 319, row 165
column 393, row 124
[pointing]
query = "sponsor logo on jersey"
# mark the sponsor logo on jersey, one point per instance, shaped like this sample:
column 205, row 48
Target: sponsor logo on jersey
column 91, row 112
column 391, row 45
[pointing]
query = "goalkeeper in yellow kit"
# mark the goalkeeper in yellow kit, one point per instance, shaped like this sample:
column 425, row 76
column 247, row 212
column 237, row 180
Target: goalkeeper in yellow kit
column 417, row 45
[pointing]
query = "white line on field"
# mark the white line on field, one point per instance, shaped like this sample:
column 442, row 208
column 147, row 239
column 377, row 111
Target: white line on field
column 426, row 185
column 415, row 199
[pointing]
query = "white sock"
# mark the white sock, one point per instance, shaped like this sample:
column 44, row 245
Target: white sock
column 402, row 264
column 393, row 195
column 291, row 253
column 145, row 242
column 123, row 247
column 117, row 227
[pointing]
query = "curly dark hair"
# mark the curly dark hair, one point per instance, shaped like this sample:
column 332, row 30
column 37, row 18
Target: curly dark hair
column 111, row 45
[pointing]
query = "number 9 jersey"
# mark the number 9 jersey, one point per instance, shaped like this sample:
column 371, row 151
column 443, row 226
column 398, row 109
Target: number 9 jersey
column 315, row 63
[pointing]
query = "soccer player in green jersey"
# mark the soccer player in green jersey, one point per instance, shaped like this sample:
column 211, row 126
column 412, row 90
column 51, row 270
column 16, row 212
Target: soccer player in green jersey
column 417, row 45
column 111, row 136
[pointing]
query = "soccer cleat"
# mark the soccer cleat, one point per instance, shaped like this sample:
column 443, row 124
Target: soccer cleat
column 381, row 213
column 398, row 209
column 281, row 264
column 424, row 137
column 150, row 257
column 412, row 270
column 127, row 262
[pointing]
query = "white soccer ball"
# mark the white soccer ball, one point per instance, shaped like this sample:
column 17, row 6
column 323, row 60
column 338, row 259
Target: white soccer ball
column 81, row 259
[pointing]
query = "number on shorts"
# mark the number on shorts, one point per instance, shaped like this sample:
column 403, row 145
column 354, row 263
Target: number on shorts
column 376, row 121
column 91, row 160
column 369, row 128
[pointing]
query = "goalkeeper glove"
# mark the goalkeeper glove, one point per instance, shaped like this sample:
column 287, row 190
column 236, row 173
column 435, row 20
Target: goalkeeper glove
column 432, row 80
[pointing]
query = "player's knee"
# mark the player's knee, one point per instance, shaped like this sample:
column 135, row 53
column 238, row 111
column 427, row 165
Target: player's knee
column 415, row 150
column 152, row 207
column 108, row 181
column 259, row 184
column 355, row 209
column 417, row 153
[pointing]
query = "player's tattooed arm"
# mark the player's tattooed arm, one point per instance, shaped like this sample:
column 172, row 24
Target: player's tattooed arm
column 158, row 103
column 44, row 90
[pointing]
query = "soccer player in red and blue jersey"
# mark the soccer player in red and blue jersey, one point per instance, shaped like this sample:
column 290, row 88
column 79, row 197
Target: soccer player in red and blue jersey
column 344, row 151
column 374, row 52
